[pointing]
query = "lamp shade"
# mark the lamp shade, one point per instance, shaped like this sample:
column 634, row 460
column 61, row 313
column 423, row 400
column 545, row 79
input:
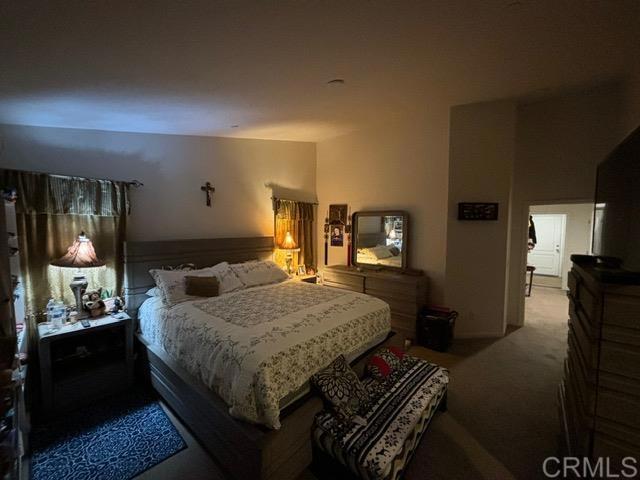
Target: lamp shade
column 79, row 255
column 288, row 243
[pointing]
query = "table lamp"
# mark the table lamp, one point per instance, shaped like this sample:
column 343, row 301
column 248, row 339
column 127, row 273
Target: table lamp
column 79, row 255
column 289, row 246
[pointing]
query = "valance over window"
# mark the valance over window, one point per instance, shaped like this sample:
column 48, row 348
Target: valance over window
column 290, row 210
column 41, row 193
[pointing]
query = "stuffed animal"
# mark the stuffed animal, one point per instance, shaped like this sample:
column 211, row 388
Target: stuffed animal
column 92, row 302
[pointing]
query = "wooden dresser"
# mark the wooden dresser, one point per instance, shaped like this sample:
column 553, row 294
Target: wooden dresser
column 600, row 393
column 404, row 293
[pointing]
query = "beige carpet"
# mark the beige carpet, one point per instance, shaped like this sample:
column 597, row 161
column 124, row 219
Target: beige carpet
column 546, row 281
column 502, row 420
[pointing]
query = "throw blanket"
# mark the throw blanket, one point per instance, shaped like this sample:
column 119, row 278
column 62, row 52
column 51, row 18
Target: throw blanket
column 256, row 346
column 401, row 408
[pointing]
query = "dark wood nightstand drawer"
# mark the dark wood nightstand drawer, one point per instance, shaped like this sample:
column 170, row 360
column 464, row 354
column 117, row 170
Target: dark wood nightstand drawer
column 79, row 365
column 97, row 383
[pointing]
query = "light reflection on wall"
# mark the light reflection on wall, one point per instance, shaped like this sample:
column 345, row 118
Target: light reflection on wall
column 146, row 112
column 143, row 113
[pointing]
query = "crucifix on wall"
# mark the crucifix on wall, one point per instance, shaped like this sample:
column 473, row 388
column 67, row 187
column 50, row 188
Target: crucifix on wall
column 208, row 189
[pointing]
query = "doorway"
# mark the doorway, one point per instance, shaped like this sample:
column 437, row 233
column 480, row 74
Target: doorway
column 547, row 253
column 559, row 231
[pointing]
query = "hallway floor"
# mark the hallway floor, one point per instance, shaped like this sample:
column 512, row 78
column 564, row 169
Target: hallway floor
column 502, row 420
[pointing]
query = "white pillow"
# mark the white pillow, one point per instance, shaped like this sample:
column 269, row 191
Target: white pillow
column 255, row 273
column 380, row 252
column 171, row 283
column 153, row 292
column 227, row 278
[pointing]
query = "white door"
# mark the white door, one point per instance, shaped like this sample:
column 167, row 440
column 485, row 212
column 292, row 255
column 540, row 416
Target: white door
column 547, row 255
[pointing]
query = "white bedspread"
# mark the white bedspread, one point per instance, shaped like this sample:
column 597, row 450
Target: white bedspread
column 256, row 346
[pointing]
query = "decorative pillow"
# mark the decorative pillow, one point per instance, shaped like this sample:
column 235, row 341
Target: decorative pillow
column 201, row 286
column 380, row 252
column 227, row 279
column 171, row 283
column 384, row 362
column 341, row 388
column 393, row 250
column 153, row 292
column 255, row 273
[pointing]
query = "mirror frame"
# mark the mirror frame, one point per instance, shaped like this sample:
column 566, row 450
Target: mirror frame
column 380, row 213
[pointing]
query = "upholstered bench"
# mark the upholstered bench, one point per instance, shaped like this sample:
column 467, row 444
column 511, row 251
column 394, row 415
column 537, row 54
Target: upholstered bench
column 381, row 443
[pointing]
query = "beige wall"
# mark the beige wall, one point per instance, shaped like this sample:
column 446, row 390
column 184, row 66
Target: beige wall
column 172, row 167
column 578, row 227
column 396, row 166
column 480, row 164
column 559, row 143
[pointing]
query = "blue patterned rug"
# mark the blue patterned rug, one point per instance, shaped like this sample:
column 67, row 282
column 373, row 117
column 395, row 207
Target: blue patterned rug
column 115, row 439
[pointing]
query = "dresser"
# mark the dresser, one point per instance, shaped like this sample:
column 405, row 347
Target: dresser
column 406, row 294
column 599, row 395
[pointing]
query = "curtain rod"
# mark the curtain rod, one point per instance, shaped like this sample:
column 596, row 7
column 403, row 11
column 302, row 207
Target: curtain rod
column 289, row 200
column 132, row 183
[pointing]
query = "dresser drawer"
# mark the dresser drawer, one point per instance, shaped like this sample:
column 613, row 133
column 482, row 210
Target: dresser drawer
column 588, row 347
column 588, row 371
column 620, row 359
column 577, row 315
column 584, row 387
column 622, row 311
column 342, row 286
column 405, row 297
column 627, row 436
column 586, row 296
column 398, row 305
column 579, row 422
column 406, row 288
column 619, row 407
column 343, row 280
column 614, row 449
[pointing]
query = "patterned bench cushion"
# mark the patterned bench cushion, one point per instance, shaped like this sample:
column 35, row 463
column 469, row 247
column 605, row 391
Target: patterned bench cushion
column 400, row 411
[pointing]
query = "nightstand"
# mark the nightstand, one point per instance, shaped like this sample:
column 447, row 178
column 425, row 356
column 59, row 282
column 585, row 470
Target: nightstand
column 81, row 364
column 307, row 278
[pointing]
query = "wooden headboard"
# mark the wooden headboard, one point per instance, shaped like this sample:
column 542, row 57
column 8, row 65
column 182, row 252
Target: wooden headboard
column 140, row 257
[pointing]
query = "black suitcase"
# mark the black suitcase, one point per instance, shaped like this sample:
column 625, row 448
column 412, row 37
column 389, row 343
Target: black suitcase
column 435, row 328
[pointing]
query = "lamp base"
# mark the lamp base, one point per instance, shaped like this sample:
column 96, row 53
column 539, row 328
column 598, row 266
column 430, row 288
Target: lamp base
column 289, row 260
column 78, row 286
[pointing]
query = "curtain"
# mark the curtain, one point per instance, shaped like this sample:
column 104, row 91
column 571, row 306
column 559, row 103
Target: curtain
column 298, row 219
column 51, row 211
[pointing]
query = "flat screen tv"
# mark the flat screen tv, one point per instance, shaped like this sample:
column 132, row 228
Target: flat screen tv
column 616, row 226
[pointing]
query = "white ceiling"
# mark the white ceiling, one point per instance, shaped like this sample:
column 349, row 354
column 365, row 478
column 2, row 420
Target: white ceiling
column 187, row 67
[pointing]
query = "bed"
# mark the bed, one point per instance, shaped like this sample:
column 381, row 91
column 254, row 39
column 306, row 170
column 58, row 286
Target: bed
column 235, row 368
column 383, row 255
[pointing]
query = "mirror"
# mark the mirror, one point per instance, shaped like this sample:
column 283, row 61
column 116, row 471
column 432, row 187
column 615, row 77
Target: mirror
column 380, row 239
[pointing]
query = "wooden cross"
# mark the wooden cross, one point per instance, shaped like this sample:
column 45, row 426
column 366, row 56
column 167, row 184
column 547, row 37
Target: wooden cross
column 208, row 188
